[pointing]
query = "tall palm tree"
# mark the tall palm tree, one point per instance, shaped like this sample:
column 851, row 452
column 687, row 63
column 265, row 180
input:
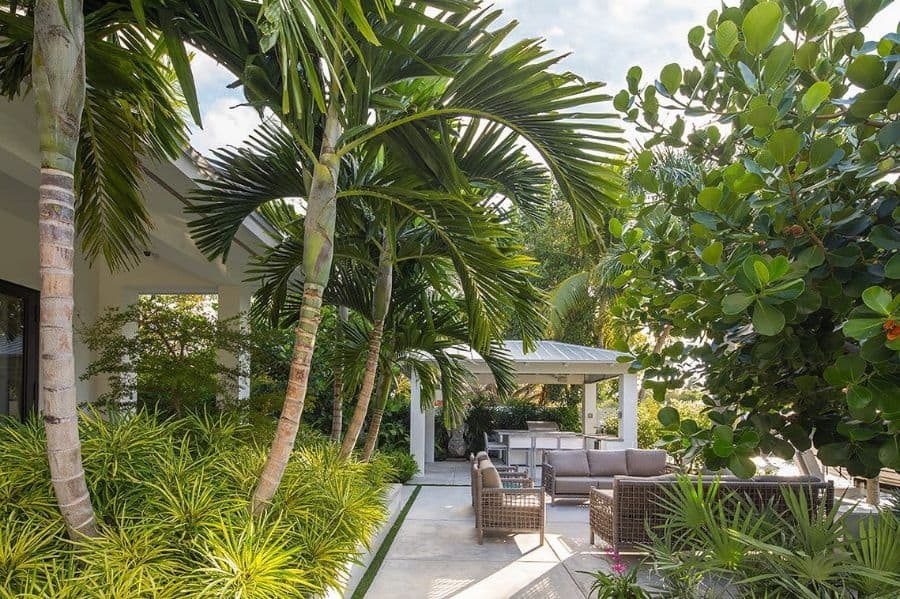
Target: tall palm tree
column 346, row 83
column 104, row 102
column 58, row 79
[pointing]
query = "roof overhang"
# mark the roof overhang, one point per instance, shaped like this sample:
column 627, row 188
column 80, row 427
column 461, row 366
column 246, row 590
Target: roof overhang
column 552, row 363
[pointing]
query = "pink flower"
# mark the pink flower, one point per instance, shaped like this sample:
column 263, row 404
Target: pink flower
column 619, row 568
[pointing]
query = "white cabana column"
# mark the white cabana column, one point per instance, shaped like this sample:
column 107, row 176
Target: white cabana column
column 234, row 302
column 417, row 421
column 589, row 422
column 429, row 425
column 628, row 399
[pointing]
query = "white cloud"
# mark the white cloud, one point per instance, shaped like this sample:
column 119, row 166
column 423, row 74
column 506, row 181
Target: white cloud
column 207, row 72
column 224, row 123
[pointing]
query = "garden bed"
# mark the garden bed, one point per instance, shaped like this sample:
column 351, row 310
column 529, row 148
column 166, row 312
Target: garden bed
column 171, row 498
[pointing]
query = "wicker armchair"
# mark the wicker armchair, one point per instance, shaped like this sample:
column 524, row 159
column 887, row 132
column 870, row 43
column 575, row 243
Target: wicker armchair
column 516, row 506
column 621, row 515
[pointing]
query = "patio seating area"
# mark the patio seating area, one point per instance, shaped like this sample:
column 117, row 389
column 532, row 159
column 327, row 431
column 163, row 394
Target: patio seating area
column 438, row 542
column 457, row 549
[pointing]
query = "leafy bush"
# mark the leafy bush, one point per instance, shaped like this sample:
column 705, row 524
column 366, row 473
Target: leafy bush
column 652, row 432
column 515, row 414
column 171, row 497
column 775, row 262
column 712, row 545
column 171, row 363
column 402, row 466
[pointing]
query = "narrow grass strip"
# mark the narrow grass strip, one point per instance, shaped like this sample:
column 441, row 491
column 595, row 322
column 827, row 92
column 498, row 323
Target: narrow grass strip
column 363, row 587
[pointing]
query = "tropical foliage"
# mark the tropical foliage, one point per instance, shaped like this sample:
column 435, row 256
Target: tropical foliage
column 444, row 73
column 715, row 545
column 652, row 432
column 172, row 506
column 776, row 268
column 162, row 354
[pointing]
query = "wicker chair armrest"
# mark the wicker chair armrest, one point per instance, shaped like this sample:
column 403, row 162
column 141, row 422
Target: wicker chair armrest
column 502, row 469
column 509, row 475
column 601, row 499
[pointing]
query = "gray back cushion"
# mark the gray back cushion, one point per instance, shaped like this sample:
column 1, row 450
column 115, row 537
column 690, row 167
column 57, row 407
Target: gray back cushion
column 607, row 462
column 645, row 462
column 572, row 462
column 490, row 478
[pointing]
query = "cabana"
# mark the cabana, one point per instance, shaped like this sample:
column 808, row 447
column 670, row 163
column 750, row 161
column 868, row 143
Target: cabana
column 551, row 363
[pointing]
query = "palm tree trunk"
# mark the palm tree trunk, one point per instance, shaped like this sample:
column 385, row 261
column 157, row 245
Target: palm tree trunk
column 59, row 87
column 337, row 406
column 384, row 388
column 318, row 252
column 383, row 285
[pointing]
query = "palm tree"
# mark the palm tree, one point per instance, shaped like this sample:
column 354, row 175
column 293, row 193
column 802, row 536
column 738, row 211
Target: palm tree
column 337, row 407
column 104, row 102
column 58, row 79
column 348, row 81
column 425, row 329
column 454, row 235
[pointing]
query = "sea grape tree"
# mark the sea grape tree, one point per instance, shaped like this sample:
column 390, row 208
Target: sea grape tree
column 776, row 270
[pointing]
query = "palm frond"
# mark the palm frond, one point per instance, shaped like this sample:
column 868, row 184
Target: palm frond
column 269, row 167
column 515, row 89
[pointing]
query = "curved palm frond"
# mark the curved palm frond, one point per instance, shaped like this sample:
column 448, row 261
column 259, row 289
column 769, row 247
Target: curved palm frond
column 514, row 89
column 267, row 169
column 132, row 113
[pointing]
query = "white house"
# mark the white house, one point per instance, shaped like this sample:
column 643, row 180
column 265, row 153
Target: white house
column 171, row 263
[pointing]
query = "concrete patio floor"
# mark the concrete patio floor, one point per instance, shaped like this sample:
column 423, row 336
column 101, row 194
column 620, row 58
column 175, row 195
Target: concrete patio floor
column 436, row 555
column 448, row 473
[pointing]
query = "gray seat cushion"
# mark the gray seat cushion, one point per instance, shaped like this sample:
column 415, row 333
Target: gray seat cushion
column 645, row 462
column 572, row 462
column 607, row 462
column 581, row 485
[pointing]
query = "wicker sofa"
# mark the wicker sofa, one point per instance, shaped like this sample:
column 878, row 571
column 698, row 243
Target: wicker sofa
column 507, row 504
column 572, row 473
column 620, row 516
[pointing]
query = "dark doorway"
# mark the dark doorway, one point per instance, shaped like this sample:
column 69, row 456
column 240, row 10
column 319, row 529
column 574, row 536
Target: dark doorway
column 18, row 349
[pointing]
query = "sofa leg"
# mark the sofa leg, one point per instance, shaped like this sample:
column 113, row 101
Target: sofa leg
column 481, row 536
column 542, row 538
column 592, row 537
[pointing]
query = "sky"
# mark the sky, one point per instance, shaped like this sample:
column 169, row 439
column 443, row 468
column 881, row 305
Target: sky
column 603, row 37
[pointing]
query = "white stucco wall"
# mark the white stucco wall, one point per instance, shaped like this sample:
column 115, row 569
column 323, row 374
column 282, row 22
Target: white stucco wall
column 174, row 265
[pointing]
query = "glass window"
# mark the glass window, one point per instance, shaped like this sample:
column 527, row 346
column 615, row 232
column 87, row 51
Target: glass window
column 18, row 349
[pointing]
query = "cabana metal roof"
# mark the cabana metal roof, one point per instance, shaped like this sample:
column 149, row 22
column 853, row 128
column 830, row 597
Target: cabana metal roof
column 553, row 362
